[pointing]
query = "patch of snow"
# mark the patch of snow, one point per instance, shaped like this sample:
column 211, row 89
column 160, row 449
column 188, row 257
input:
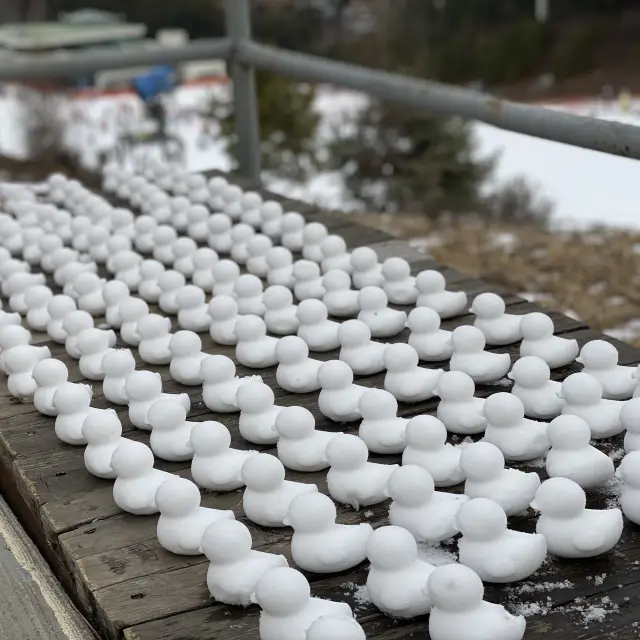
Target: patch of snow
column 436, row 554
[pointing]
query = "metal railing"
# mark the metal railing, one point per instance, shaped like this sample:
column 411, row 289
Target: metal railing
column 243, row 55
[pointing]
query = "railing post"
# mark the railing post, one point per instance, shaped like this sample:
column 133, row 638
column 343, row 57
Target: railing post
column 245, row 102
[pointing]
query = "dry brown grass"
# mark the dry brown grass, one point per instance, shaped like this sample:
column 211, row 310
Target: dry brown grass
column 593, row 274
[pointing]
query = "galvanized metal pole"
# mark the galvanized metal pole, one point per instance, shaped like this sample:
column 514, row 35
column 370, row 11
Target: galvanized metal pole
column 245, row 101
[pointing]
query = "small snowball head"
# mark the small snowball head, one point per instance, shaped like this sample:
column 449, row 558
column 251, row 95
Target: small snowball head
column 277, row 297
column 311, row 513
column 410, row 485
column 391, row 548
column 177, row 497
column 102, row 427
column 251, row 200
column 535, row 326
column 530, row 371
column 209, row 438
column 60, row 305
column 292, row 350
column 560, row 498
column 468, row 339
column 282, row 591
column 455, row 386
column 240, row 233
column 430, row 281
column 190, row 297
column 378, row 404
column 226, row 541
column 70, row 397
column 305, row 270
column 50, row 372
column 250, row 327
column 185, row 343
column 217, row 368
column 488, row 306
column 423, row 320
column 38, row 296
column 171, row 281
column 336, row 280
column 363, row 258
column 164, row 235
column 118, row 363
column 76, row 321
column 295, row 422
column 332, row 246
column 400, row 358
column 92, row 341
column 354, row 333
column 481, row 461
column 272, row 210
column 372, row 299
column 114, row 291
column 346, row 451
column 396, row 269
column 336, row 628
column 455, row 588
column 581, row 388
column 312, row 311
column 503, row 409
column 222, row 308
column 13, row 335
column 598, row 354
column 254, row 397
column 279, row 258
column 153, row 326
column 204, row 258
column 314, row 233
column 629, row 469
column 630, row 415
column 259, row 245
column 184, row 247
column 133, row 309
column 247, row 286
column 335, row 374
column 151, row 269
column 86, row 282
column 225, row 271
column 481, row 519
column 292, row 222
column 426, row 432
column 262, row 472
column 568, row 432
column 219, row 223
column 166, row 414
column 143, row 385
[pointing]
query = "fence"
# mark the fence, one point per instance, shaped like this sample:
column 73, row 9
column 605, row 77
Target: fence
column 243, row 55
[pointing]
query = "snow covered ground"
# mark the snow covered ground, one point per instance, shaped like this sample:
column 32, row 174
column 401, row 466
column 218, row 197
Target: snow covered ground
column 586, row 187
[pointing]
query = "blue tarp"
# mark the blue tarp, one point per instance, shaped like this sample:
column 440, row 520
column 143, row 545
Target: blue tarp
column 155, row 82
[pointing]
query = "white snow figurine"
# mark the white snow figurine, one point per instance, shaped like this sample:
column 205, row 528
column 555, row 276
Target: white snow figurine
column 432, row 293
column 364, row 355
column 339, row 298
column 319, row 544
column 538, row 340
column 170, row 430
column 493, row 551
column 600, row 360
column 182, row 520
column 280, row 313
column 429, row 515
column 459, row 410
column 396, row 578
column 187, row 357
column 255, row 349
column 629, row 474
column 459, row 611
column 381, row 428
column 470, row 356
column 220, row 383
column 155, row 334
column 315, row 328
column 383, row 321
column 499, row 327
column 193, row 311
column 296, row 372
column 405, row 379
column 223, row 311
column 399, row 284
column 432, row 343
column 572, row 530
column 339, row 397
column 280, row 263
column 48, row 375
column 532, row 384
column 258, row 412
column 73, row 404
column 103, row 432
column 630, row 419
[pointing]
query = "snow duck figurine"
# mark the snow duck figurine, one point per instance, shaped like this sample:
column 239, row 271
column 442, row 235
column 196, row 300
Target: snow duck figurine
column 313, row 235
column 432, row 343
column 13, row 336
column 248, row 291
column 114, row 292
column 182, row 520
column 184, row 249
column 281, row 315
column 223, row 311
column 88, row 287
column 257, row 412
column 307, row 280
column 193, row 312
column 187, row 357
column 572, row 530
column 220, row 383
column 203, row 260
column 396, row 578
column 255, row 349
column 407, row 381
column 532, row 384
column 427, row 446
column 58, row 308
column 459, row 611
column 494, row 552
column 499, row 327
column 538, row 340
column 629, row 475
column 470, row 357
column 170, row 430
column 600, row 360
column 215, row 465
column 366, row 269
column 358, row 350
column 630, row 419
column 258, row 247
column 136, row 483
column 483, row 465
column 296, row 372
column 93, row 345
column 48, row 375
column 72, row 403
column 37, row 298
column 381, row 429
column 268, row 495
column 271, row 219
column 429, row 515
column 171, row 282
column 517, row 437
column 582, row 395
column 571, row 456
column 150, row 272
column 319, row 544
column 155, row 335
column 383, row 321
column 280, row 263
column 459, row 410
column 240, row 235
column 315, row 328
column 335, row 254
column 339, row 397
column 353, row 480
column 287, row 608
column 103, row 432
column 399, row 284
column 19, row 363
column 73, row 323
column 432, row 293
column 340, row 299
column 336, row 628
column 132, row 310
column 234, row 567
